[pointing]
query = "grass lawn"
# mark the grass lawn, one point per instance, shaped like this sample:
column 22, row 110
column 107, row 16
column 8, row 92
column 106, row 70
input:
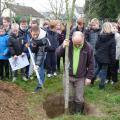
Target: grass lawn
column 107, row 101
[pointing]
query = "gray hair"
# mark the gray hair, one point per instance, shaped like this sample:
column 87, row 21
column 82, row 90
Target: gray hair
column 14, row 26
column 77, row 34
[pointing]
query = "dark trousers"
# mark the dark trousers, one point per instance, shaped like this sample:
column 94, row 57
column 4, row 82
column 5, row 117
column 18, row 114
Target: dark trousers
column 112, row 73
column 51, row 62
column 102, row 72
column 76, row 95
column 4, row 69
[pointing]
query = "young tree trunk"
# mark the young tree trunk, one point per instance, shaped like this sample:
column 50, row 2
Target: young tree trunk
column 66, row 73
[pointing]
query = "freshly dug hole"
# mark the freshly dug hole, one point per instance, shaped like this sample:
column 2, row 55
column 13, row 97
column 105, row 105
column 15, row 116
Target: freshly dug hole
column 54, row 107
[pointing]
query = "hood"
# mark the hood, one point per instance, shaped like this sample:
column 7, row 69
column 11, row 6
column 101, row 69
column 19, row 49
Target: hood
column 23, row 31
column 42, row 34
column 104, row 37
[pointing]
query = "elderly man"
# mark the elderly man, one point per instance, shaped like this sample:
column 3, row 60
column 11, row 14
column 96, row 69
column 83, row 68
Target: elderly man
column 81, row 69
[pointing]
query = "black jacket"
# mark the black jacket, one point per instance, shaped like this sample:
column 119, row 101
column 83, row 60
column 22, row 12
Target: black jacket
column 105, row 48
column 53, row 38
column 86, row 61
column 39, row 48
column 92, row 36
column 15, row 45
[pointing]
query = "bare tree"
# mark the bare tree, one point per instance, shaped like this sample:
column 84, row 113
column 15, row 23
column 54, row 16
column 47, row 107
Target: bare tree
column 57, row 7
column 66, row 75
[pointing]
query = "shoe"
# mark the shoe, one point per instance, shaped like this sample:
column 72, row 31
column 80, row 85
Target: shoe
column 24, row 78
column 14, row 79
column 31, row 78
column 37, row 89
column 112, row 83
column 71, row 107
column 55, row 74
column 93, row 80
column 79, row 108
column 49, row 75
column 107, row 81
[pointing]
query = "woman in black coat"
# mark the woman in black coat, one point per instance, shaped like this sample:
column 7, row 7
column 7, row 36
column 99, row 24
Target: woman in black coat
column 105, row 52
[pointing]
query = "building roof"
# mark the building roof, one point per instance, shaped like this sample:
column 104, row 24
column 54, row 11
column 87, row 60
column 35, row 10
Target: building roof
column 24, row 10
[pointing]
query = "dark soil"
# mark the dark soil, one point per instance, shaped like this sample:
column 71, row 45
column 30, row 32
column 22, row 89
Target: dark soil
column 54, row 107
column 14, row 105
column 12, row 102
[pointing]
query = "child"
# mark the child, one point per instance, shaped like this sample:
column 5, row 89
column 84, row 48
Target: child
column 60, row 29
column 38, row 47
column 24, row 33
column 15, row 45
column 4, row 50
column 7, row 24
column 105, row 52
column 113, row 67
column 92, row 36
column 51, row 58
column 93, row 32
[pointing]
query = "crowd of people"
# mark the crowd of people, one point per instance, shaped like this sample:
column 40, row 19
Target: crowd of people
column 94, row 51
column 43, row 41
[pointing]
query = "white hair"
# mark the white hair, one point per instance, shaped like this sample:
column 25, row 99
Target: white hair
column 14, row 26
column 77, row 34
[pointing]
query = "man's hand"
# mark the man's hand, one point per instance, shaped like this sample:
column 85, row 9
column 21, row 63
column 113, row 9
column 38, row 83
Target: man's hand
column 15, row 57
column 27, row 45
column 87, row 82
column 36, row 67
column 65, row 43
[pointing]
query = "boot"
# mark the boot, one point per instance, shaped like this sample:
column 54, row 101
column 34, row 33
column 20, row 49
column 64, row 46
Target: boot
column 71, row 107
column 79, row 108
column 93, row 80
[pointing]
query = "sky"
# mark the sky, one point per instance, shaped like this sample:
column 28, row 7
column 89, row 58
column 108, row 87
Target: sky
column 43, row 5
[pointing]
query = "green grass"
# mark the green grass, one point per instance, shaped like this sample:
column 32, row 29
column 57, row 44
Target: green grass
column 107, row 101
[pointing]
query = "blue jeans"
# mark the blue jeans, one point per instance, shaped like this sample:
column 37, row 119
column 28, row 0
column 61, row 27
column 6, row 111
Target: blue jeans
column 103, row 75
column 102, row 72
column 42, row 74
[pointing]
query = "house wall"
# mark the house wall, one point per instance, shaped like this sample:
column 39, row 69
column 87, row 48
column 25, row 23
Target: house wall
column 8, row 13
column 40, row 20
